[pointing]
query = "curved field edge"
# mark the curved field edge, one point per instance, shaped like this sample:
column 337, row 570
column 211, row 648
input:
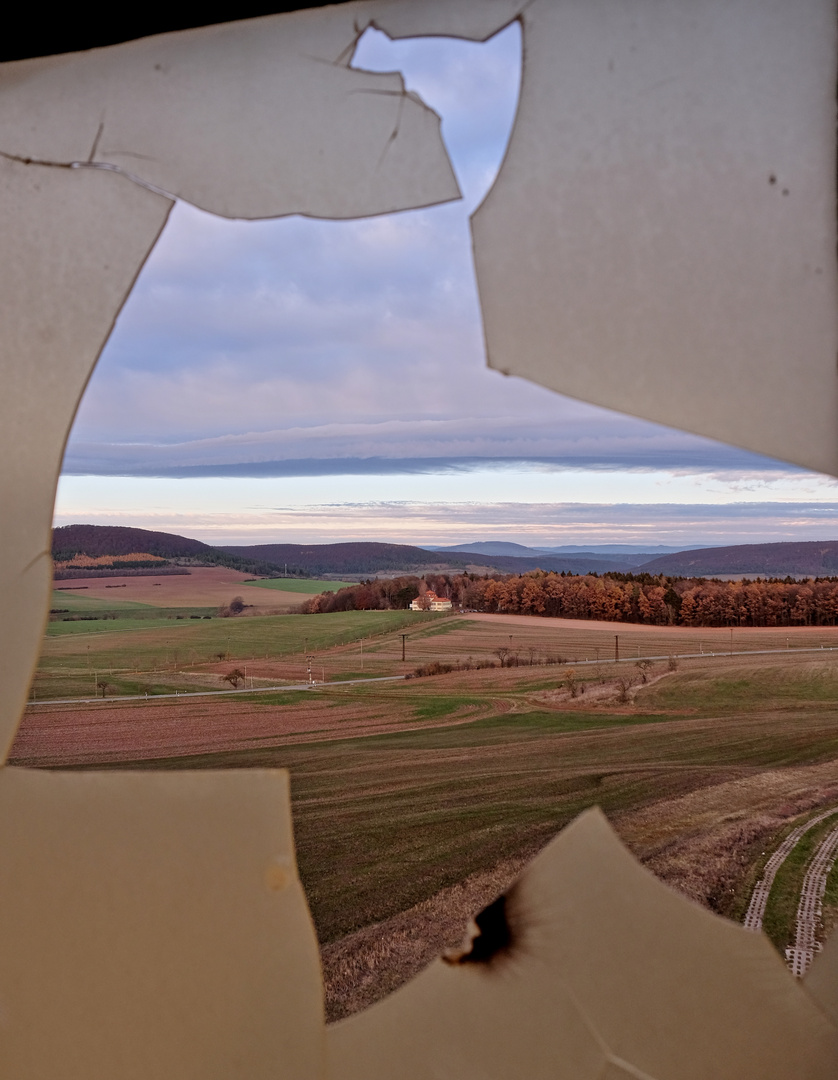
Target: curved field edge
column 694, row 776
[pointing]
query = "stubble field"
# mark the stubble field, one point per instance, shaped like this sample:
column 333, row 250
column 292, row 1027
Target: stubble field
column 416, row 800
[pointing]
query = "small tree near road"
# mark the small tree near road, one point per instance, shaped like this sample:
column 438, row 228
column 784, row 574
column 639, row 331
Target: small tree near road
column 234, row 677
column 644, row 667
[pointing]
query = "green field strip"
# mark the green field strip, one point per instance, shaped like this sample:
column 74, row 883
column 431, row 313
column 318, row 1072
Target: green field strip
column 764, row 686
column 142, row 644
column 105, row 626
column 75, row 601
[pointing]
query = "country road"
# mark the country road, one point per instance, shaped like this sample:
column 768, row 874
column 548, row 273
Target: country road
column 800, row 955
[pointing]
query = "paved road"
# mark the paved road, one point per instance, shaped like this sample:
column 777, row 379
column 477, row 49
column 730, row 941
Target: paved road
column 216, row 693
column 395, row 678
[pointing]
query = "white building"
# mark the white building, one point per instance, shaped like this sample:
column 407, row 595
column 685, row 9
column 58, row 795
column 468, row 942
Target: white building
column 429, row 601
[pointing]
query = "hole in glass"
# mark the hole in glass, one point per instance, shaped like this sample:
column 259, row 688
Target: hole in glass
column 335, row 392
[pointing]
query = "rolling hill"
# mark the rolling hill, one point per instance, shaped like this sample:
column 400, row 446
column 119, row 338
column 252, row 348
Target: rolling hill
column 372, row 558
column 814, row 558
column 798, row 559
column 97, row 540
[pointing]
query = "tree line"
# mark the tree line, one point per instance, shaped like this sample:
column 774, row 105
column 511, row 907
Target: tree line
column 613, row 597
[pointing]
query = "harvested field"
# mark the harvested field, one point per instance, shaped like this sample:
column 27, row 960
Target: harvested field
column 179, row 653
column 394, row 817
column 415, row 800
column 203, row 586
column 588, row 640
column 524, row 641
column 114, row 732
column 304, row 586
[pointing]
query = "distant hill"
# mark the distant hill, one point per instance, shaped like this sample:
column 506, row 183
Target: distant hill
column 309, row 559
column 350, row 558
column 97, row 540
column 371, row 558
column 492, row 547
column 799, row 559
column 811, row 558
column 651, row 551
column 101, row 540
column 569, row 564
column 600, row 556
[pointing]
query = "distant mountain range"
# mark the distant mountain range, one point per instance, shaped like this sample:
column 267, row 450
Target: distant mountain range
column 370, row 558
column 625, row 554
column 811, row 558
column 798, row 559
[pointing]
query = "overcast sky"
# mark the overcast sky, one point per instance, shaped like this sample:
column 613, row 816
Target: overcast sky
column 310, row 381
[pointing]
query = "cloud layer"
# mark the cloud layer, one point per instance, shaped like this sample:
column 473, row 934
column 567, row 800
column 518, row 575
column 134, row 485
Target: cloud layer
column 236, row 518
column 299, row 348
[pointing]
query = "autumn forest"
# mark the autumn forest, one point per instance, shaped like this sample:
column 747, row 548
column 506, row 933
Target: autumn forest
column 642, row 598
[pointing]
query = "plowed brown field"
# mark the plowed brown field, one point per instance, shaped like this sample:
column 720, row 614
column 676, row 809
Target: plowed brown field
column 203, row 586
column 68, row 735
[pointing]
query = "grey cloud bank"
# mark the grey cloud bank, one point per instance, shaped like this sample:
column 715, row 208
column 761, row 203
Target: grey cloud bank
column 442, row 524
column 299, row 348
column 419, row 445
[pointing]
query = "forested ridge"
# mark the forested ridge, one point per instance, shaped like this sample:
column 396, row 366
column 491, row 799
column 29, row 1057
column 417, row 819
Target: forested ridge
column 614, row 597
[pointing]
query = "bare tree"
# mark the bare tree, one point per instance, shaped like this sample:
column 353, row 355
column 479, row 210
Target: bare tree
column 672, row 663
column 624, row 684
column 234, row 677
column 644, row 666
column 502, row 654
column 572, row 683
column 103, row 685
